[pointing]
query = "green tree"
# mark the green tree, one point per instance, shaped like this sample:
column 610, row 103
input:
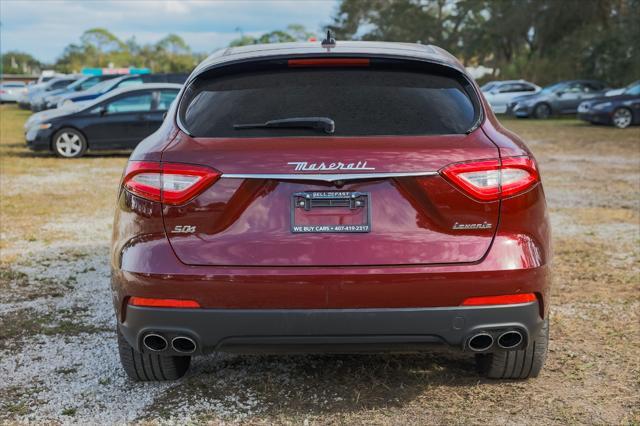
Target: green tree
column 293, row 32
column 15, row 62
column 172, row 54
column 100, row 48
column 542, row 40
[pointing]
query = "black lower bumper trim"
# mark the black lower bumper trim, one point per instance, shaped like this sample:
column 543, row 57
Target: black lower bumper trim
column 328, row 330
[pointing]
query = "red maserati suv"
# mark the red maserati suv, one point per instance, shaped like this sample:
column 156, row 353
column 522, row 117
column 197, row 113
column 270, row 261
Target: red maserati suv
column 331, row 197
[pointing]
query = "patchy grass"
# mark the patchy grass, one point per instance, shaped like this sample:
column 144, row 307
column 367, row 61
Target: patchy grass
column 57, row 347
column 46, row 199
column 30, row 322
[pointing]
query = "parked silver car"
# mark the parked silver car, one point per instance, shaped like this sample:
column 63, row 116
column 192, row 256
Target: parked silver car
column 500, row 93
column 560, row 98
column 11, row 90
column 25, row 99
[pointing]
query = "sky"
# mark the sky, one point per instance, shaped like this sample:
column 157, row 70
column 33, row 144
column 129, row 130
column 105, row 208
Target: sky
column 44, row 28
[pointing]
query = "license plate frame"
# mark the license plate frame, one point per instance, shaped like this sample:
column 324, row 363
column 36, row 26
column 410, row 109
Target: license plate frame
column 356, row 201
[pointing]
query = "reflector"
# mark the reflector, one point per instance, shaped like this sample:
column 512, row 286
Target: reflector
column 505, row 299
column 163, row 303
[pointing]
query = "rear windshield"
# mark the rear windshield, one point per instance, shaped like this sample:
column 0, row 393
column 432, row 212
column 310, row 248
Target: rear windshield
column 359, row 101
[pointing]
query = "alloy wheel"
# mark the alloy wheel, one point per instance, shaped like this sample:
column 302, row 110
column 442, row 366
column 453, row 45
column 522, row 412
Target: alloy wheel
column 68, row 144
column 622, row 118
column 542, row 111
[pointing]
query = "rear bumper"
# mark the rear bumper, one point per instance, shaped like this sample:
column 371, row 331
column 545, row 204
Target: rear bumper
column 371, row 307
column 329, row 330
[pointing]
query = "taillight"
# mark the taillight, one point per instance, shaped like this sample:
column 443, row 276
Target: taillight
column 490, row 180
column 170, row 183
column 328, row 62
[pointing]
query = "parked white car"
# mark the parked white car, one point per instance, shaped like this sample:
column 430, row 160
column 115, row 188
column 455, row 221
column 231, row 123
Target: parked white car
column 10, row 90
column 500, row 93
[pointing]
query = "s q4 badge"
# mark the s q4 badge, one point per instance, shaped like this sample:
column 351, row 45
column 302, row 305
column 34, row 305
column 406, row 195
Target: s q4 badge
column 184, row 229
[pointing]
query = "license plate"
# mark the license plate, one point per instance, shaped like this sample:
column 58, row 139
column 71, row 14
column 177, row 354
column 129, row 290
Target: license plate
column 331, row 212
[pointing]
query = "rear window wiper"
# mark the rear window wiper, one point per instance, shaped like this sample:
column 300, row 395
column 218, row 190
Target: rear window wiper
column 325, row 124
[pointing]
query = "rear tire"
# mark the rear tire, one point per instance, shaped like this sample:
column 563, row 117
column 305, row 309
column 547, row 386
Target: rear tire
column 520, row 364
column 542, row 111
column 143, row 367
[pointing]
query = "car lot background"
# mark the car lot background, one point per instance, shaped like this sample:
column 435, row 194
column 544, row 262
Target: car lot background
column 58, row 357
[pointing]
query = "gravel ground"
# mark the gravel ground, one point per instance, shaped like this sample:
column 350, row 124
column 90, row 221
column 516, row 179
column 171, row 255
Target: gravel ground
column 58, row 357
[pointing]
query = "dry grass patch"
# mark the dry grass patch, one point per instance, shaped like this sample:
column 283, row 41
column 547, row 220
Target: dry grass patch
column 40, row 189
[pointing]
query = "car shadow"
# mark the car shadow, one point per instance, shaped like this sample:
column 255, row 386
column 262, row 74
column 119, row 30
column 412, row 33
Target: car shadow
column 322, row 384
column 45, row 154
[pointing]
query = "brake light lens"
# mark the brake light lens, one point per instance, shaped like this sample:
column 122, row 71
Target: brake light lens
column 170, row 183
column 505, row 299
column 490, row 180
column 163, row 303
column 328, row 62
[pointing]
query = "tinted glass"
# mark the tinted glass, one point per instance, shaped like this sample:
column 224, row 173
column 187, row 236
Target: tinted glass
column 89, row 83
column 592, row 87
column 521, row 87
column 100, row 87
column 77, row 84
column 60, row 84
column 554, row 87
column 488, row 86
column 575, row 88
column 633, row 90
column 508, row 88
column 361, row 102
column 166, row 97
column 131, row 103
column 129, row 82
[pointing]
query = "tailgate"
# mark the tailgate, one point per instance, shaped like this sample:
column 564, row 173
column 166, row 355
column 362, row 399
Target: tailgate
column 367, row 201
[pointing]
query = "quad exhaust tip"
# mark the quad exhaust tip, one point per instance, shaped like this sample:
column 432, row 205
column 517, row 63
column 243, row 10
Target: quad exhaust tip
column 183, row 344
column 480, row 342
column 155, row 342
column 510, row 339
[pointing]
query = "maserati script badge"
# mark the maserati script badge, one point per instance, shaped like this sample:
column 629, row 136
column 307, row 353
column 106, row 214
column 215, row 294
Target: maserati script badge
column 304, row 166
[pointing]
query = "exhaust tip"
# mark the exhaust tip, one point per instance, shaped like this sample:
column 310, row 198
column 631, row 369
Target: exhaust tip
column 510, row 339
column 480, row 342
column 183, row 344
column 155, row 342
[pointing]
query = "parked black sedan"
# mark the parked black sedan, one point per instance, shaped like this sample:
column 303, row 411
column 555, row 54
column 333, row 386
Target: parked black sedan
column 621, row 110
column 117, row 120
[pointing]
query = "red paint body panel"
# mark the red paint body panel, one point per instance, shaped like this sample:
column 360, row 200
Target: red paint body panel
column 246, row 222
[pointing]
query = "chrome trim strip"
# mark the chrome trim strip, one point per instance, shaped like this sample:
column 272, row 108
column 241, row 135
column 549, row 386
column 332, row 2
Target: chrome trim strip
column 325, row 177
